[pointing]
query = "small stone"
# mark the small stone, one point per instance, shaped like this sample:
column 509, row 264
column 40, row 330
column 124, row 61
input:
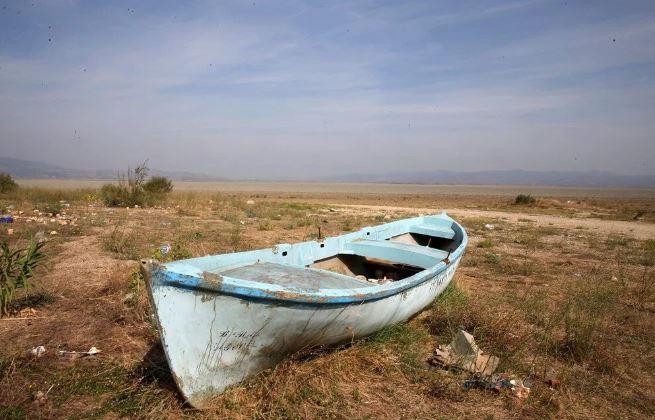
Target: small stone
column 54, row 232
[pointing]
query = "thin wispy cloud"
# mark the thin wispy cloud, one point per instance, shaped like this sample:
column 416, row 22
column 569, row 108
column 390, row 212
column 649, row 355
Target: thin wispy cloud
column 296, row 89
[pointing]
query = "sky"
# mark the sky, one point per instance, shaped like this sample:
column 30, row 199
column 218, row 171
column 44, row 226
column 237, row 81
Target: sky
column 302, row 90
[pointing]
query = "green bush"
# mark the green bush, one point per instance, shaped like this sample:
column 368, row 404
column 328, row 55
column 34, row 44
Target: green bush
column 524, row 199
column 133, row 189
column 7, row 183
column 16, row 268
column 115, row 195
column 158, row 185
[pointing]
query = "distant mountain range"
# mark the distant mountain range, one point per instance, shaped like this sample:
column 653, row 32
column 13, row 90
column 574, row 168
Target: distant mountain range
column 508, row 177
column 39, row 170
column 28, row 169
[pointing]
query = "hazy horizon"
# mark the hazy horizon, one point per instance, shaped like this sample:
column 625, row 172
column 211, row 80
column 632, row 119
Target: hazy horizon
column 301, row 90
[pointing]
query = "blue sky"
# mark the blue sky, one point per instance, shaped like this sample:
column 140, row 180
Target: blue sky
column 308, row 89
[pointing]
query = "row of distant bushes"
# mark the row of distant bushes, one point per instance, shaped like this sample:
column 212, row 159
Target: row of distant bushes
column 133, row 188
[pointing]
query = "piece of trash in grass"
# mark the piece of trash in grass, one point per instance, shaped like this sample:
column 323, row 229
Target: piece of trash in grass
column 78, row 354
column 41, row 397
column 463, row 353
column 37, row 351
column 489, row 226
column 10, row 232
column 494, row 383
column 54, row 232
column 519, row 389
column 6, row 219
column 165, row 249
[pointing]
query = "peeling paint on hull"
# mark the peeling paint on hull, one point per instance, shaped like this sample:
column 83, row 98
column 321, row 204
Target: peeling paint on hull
column 214, row 337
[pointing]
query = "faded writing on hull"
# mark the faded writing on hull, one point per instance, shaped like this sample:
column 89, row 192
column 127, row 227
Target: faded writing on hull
column 235, row 340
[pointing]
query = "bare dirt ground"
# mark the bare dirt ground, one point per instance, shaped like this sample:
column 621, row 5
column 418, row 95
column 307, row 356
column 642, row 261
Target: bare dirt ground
column 562, row 291
column 636, row 229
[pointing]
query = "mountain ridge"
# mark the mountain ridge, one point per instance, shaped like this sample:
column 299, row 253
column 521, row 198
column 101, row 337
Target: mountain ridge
column 19, row 168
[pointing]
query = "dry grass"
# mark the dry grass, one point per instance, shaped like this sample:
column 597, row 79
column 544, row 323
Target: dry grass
column 573, row 304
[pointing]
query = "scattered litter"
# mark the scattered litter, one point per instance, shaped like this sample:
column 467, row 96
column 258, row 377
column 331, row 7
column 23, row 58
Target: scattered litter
column 37, row 351
column 6, row 219
column 54, row 232
column 78, row 354
column 242, row 222
column 464, row 354
column 10, row 231
column 489, row 226
column 494, row 383
column 165, row 249
column 332, row 210
column 519, row 389
column 250, row 202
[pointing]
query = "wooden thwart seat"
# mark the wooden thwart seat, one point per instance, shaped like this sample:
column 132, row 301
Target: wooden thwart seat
column 397, row 252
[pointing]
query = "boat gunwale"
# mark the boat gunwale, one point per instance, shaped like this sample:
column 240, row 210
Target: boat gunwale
column 246, row 289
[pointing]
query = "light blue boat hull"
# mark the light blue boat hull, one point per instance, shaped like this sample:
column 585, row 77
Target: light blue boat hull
column 218, row 329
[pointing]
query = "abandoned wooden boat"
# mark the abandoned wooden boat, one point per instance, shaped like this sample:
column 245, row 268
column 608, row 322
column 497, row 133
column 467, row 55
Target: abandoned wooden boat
column 223, row 318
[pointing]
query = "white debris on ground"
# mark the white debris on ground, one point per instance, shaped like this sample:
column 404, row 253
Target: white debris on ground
column 463, row 353
column 489, row 226
column 78, row 354
column 37, row 351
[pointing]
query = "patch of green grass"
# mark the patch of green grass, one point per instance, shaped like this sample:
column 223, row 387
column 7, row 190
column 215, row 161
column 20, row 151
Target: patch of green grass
column 297, row 206
column 123, row 243
column 650, row 245
column 616, row 241
column 12, row 412
column 486, row 243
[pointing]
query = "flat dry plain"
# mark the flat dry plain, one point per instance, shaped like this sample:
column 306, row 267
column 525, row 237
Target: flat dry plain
column 563, row 291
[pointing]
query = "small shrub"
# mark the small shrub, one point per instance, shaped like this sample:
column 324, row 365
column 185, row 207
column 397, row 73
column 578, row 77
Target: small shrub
column 131, row 189
column 177, row 251
column 585, row 308
column 114, row 195
column 524, row 199
column 158, row 185
column 492, row 258
column 265, row 226
column 52, row 208
column 17, row 267
column 7, row 183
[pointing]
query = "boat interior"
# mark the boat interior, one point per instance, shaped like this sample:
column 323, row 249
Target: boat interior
column 372, row 256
